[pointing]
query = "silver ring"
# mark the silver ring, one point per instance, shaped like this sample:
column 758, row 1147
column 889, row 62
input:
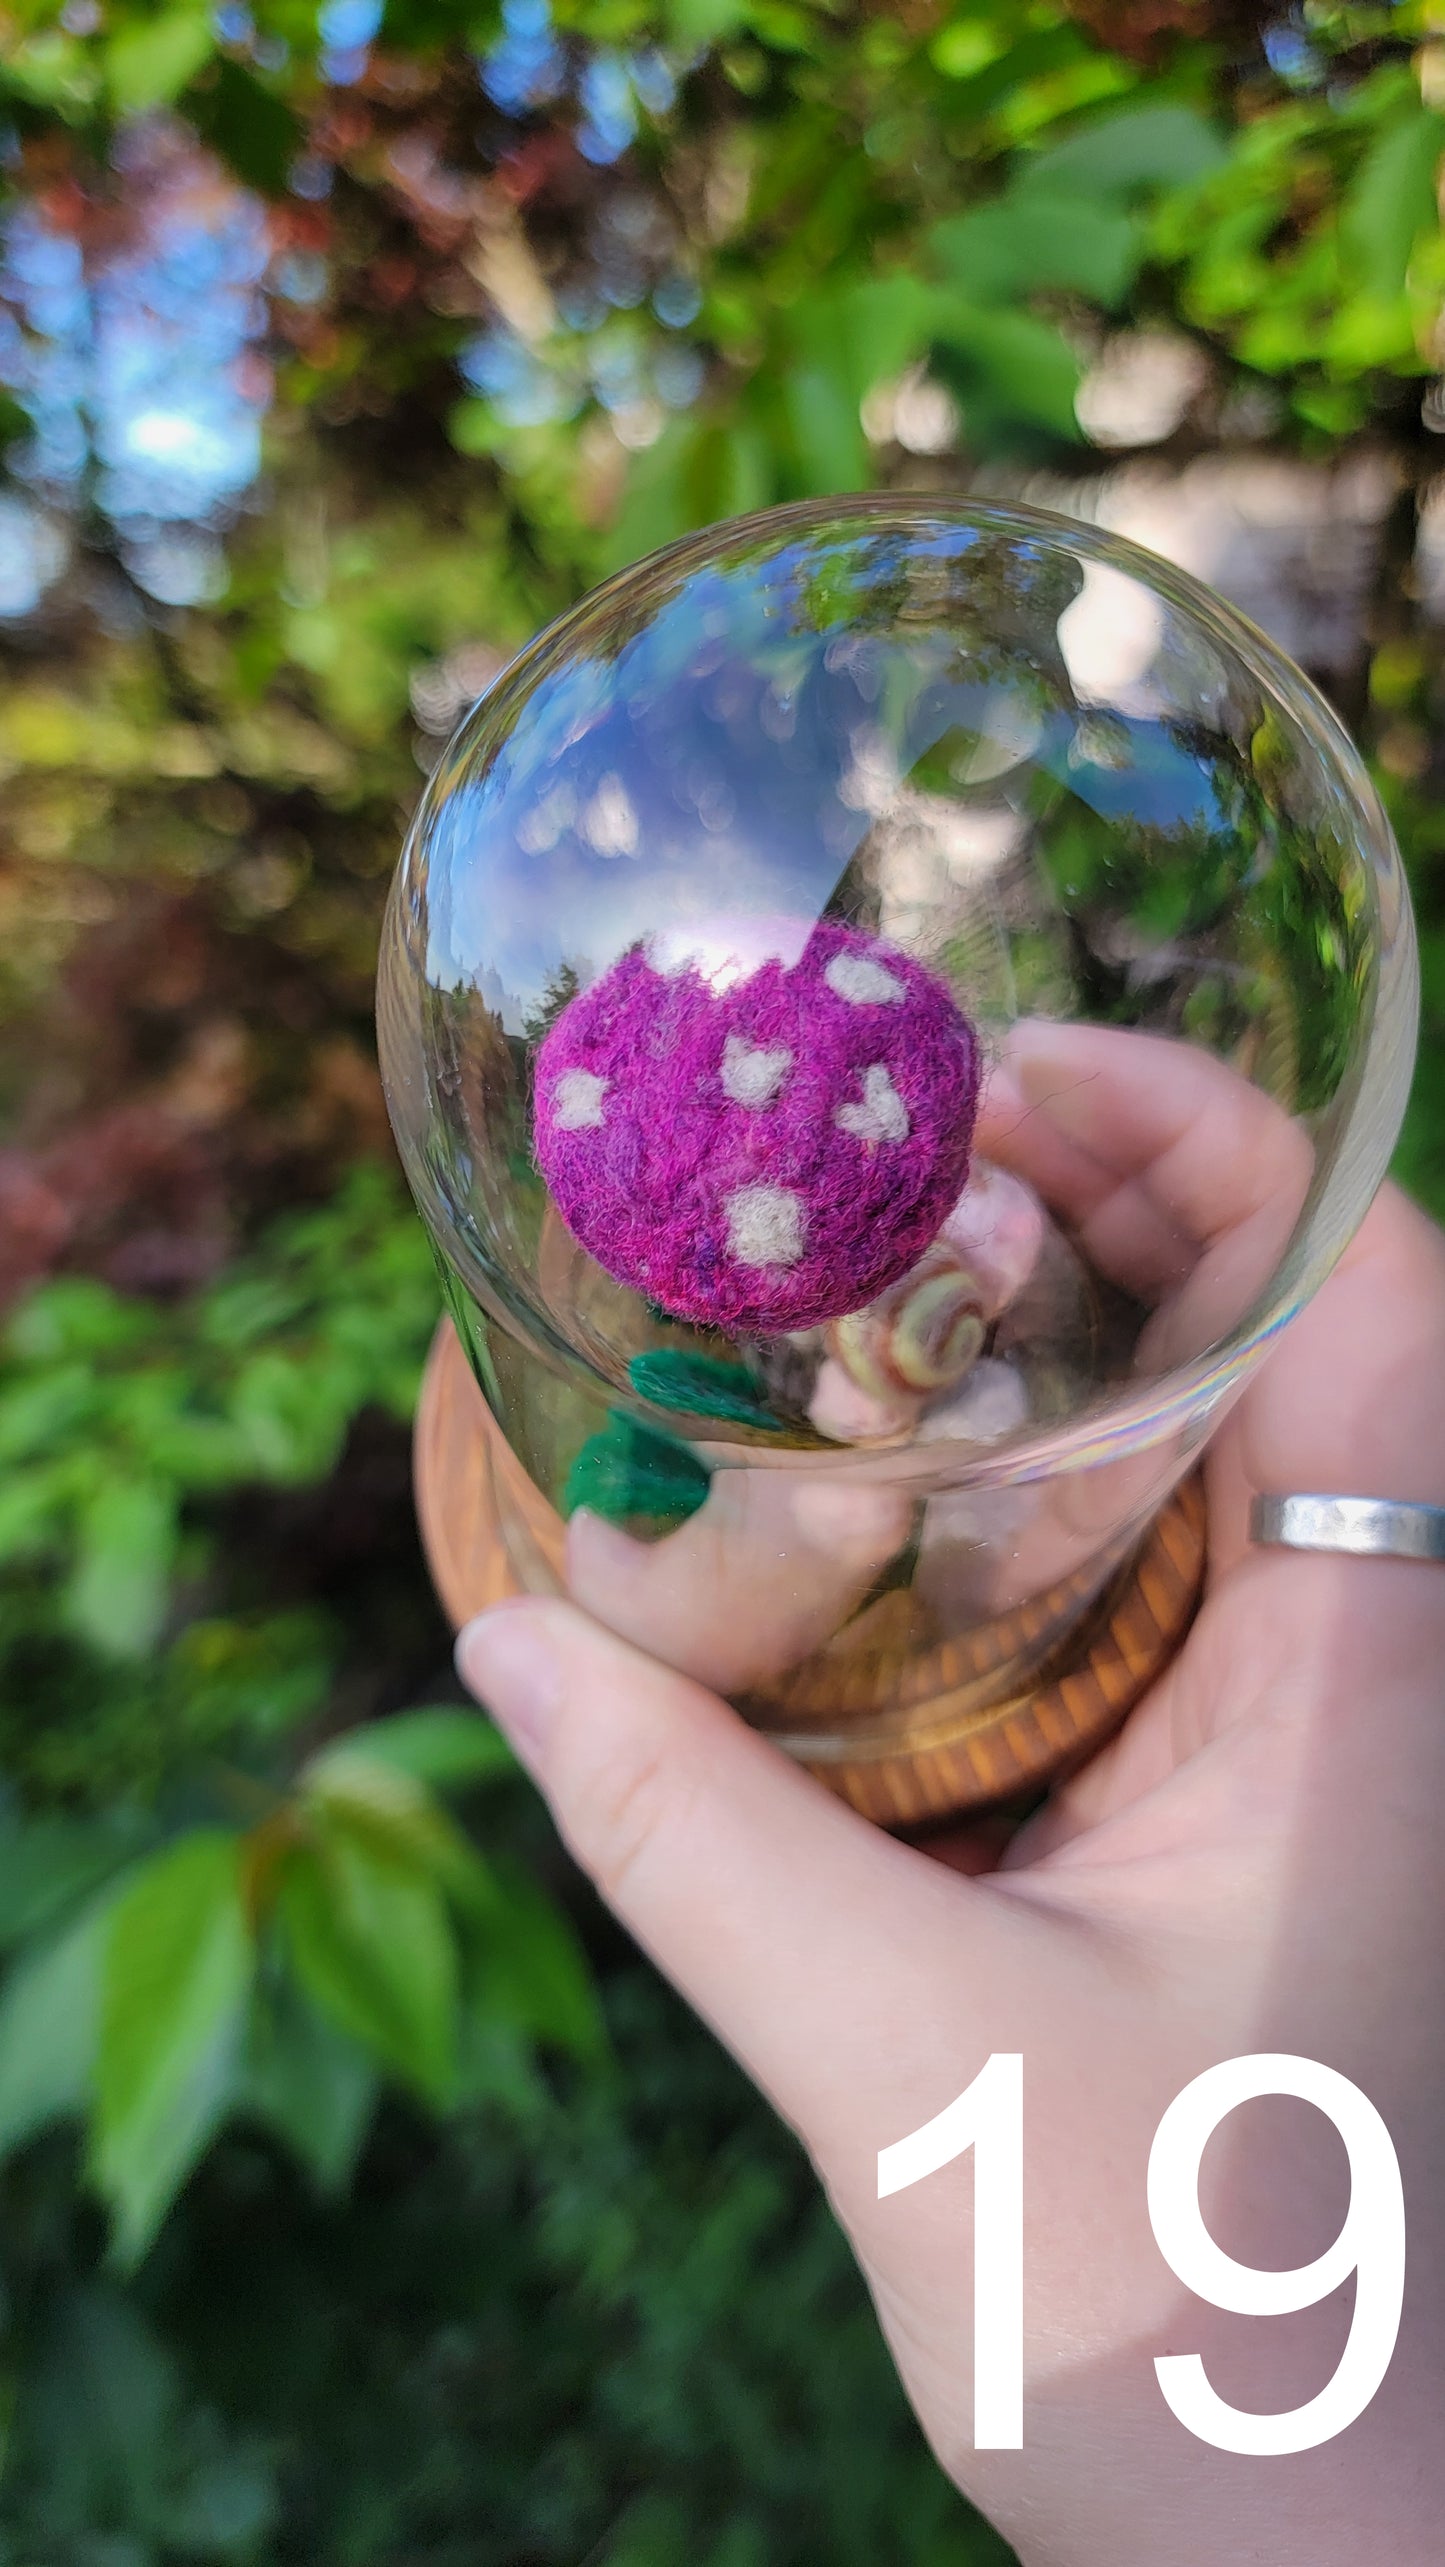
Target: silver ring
column 1380, row 1527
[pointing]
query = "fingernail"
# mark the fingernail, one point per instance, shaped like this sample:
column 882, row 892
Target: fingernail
column 510, row 1661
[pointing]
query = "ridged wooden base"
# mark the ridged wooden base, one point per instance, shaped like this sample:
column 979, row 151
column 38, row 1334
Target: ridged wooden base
column 921, row 1740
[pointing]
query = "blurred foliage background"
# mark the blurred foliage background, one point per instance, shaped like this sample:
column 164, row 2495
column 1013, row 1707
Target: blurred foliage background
column 364, row 2199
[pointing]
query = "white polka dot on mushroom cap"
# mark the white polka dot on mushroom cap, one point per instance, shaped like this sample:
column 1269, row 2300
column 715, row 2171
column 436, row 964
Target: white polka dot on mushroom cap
column 752, row 1075
column 577, row 1101
column 765, row 1225
column 882, row 1116
column 861, row 981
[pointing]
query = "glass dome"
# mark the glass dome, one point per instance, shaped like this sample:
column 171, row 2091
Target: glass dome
column 859, row 1319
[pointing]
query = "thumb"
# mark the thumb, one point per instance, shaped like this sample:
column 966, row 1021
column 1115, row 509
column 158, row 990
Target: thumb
column 795, row 1929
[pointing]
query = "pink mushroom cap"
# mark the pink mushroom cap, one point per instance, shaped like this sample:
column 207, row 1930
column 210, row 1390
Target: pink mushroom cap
column 765, row 1150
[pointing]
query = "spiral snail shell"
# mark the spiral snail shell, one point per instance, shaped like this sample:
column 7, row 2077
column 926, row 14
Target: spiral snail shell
column 918, row 1337
column 923, row 1334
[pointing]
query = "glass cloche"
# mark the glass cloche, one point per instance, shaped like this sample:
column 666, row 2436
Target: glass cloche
column 886, row 1008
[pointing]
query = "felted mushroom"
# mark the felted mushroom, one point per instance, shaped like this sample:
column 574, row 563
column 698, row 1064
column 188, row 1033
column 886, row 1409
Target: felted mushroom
column 760, row 1149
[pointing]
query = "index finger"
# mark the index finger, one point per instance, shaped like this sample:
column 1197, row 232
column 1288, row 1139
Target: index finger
column 1177, row 1177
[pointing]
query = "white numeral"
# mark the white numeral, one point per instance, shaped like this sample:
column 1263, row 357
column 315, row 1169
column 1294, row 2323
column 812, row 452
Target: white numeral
column 1371, row 2245
column 987, row 2117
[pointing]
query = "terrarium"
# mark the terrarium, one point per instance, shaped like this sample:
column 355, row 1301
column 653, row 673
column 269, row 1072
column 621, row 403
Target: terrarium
column 886, row 1009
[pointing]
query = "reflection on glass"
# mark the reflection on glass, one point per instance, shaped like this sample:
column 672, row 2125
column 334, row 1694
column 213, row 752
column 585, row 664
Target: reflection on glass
column 1141, row 855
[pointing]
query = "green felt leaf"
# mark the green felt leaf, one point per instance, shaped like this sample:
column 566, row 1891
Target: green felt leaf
column 628, row 1470
column 176, row 1983
column 701, row 1386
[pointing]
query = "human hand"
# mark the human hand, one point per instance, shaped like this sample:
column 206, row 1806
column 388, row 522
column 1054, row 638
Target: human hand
column 1252, row 1865
column 770, row 1568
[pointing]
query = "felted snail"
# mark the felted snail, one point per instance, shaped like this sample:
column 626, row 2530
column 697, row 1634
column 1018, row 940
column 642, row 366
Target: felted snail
column 926, row 1330
column 922, row 1336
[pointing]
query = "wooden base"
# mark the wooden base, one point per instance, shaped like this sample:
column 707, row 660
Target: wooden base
column 924, row 1745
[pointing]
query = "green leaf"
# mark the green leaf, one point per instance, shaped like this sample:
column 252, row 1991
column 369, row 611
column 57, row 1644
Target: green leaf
column 78, row 1317
column 248, row 126
column 293, row 1431
column 1390, row 202
column 37, row 1415
column 785, row 29
column 53, row 1862
column 1128, row 152
column 696, row 25
column 150, row 63
column 1022, row 366
column 105, row 2434
column 862, row 336
column 1337, row 408
column 50, row 70
column 176, row 1988
column 400, row 1819
column 119, row 1589
column 258, row 1676
column 1033, row 242
column 822, row 412
column 100, row 2410
column 963, row 46
column 32, row 1505
column 227, row 2503
column 702, row 469
column 310, row 2084
column 49, row 2028
column 371, row 1942
column 531, row 1972
column 441, row 1747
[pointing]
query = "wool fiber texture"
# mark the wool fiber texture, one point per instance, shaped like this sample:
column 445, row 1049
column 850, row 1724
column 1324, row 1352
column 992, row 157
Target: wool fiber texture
column 767, row 1154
